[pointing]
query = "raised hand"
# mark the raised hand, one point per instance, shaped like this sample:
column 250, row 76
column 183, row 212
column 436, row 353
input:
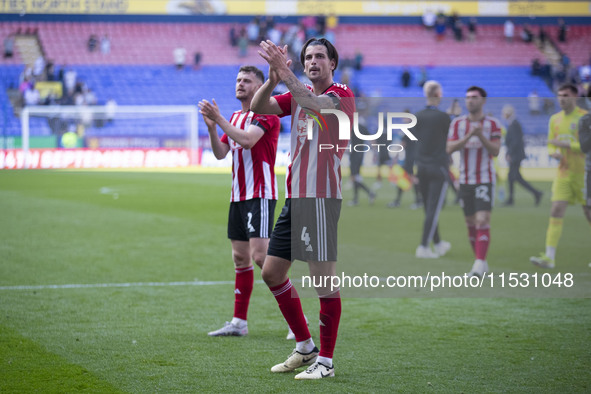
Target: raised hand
column 276, row 57
column 209, row 111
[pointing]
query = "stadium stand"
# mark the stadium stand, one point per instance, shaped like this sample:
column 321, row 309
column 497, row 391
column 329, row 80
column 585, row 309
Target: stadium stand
column 139, row 69
column 152, row 43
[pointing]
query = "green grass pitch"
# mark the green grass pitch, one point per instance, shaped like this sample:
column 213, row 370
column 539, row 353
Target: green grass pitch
column 150, row 249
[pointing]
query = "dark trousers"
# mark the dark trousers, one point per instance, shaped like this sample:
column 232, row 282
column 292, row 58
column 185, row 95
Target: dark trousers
column 433, row 183
column 515, row 175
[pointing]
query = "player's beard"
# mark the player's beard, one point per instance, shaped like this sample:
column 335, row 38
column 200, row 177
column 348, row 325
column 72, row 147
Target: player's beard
column 242, row 96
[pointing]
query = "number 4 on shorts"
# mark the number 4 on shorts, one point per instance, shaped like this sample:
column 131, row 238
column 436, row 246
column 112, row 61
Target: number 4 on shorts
column 306, row 238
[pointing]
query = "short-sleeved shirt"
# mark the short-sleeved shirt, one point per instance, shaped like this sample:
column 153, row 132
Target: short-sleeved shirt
column 566, row 128
column 253, row 170
column 315, row 172
column 476, row 163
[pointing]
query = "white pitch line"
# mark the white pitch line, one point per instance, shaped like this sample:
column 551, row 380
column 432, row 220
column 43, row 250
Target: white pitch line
column 136, row 284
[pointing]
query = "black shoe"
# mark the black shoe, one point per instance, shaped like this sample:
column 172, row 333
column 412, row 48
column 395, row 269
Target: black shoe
column 508, row 202
column 538, row 198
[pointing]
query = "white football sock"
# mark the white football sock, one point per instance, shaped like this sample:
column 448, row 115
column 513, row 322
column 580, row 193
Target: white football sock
column 305, row 346
column 325, row 361
column 240, row 323
column 551, row 252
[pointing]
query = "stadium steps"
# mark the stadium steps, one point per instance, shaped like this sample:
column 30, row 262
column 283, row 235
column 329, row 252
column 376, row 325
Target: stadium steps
column 29, row 48
column 577, row 46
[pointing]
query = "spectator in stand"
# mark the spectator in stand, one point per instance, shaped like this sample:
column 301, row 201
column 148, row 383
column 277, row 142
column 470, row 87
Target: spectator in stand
column 458, row 30
column 78, row 98
column 68, row 98
column 440, row 27
column 559, row 77
column 270, row 21
column 321, row 25
column 263, row 28
column 50, row 71
column 309, row 23
column 472, row 26
column 332, row 21
column 358, row 60
column 26, row 74
column 180, row 57
column 405, row 78
column 197, row 60
column 509, row 30
column 534, row 102
column 110, row 110
column 455, row 24
column 60, row 74
column 92, row 43
column 564, row 59
column 424, row 76
column 562, row 28
column 252, row 31
column 451, row 20
column 69, row 79
column 429, row 19
column 9, row 46
column 542, row 35
column 50, row 99
column 26, row 83
column 274, row 34
column 31, row 96
column 585, row 73
column 243, row 43
column 105, row 45
column 39, row 68
column 89, row 96
column 234, row 35
column 572, row 75
column 536, row 67
column 526, row 34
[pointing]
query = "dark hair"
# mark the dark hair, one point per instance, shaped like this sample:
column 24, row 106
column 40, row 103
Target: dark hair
column 478, row 89
column 252, row 69
column 569, row 86
column 331, row 51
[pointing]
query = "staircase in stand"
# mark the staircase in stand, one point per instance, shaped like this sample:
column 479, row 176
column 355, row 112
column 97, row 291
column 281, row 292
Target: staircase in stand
column 29, row 48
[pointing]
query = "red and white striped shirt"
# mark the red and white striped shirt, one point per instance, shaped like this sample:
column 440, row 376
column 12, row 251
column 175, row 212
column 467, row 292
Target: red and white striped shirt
column 315, row 173
column 476, row 164
column 253, row 170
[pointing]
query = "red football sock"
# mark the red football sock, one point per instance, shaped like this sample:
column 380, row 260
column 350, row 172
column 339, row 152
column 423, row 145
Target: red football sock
column 482, row 242
column 330, row 315
column 472, row 237
column 289, row 303
column 242, row 291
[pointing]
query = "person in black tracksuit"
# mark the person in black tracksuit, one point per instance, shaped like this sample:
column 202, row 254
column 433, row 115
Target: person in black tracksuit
column 432, row 161
column 356, row 160
column 515, row 155
column 585, row 140
column 408, row 166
